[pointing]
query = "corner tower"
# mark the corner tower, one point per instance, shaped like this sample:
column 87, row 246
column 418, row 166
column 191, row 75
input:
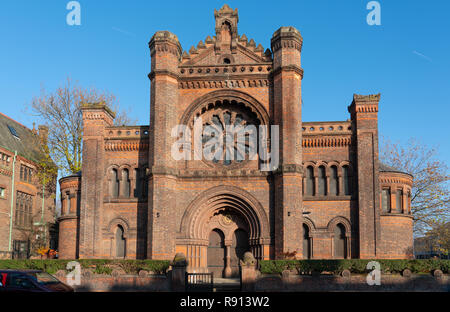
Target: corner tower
column 96, row 117
column 165, row 51
column 287, row 113
column 364, row 116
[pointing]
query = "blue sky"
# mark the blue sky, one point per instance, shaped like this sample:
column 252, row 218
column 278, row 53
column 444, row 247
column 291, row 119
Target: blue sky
column 406, row 59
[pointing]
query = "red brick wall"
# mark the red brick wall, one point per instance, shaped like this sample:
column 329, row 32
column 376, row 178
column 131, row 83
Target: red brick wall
column 396, row 237
column 32, row 188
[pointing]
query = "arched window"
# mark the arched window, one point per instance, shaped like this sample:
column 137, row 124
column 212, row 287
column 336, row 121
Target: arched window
column 68, row 202
column 120, row 242
column 310, row 181
column 385, row 200
column 144, row 183
column 306, row 243
column 137, row 189
column 322, row 181
column 408, row 203
column 115, row 183
column 226, row 32
column 334, row 181
column 126, row 182
column 63, row 204
column 340, row 242
column 346, row 180
column 399, row 201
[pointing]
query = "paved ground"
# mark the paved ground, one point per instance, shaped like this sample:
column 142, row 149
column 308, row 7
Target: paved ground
column 227, row 284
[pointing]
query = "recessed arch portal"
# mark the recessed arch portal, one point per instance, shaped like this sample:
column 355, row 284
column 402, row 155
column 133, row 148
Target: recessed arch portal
column 233, row 211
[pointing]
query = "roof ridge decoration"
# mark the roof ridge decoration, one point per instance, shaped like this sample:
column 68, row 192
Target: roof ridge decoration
column 226, row 10
column 227, row 40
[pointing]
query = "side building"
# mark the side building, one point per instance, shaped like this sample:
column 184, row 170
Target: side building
column 27, row 208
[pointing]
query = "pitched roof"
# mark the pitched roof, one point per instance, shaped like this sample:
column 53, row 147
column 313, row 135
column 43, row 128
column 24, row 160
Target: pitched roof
column 16, row 137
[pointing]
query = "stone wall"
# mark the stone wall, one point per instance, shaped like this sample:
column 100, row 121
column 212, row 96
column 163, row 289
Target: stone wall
column 5, row 255
column 354, row 282
column 273, row 283
column 91, row 282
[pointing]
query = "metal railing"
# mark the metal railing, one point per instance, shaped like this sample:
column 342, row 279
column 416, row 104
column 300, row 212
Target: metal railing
column 199, row 281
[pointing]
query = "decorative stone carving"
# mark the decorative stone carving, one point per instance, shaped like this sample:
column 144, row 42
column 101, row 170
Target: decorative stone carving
column 248, row 259
column 346, row 273
column 438, row 274
column 179, row 260
column 406, row 273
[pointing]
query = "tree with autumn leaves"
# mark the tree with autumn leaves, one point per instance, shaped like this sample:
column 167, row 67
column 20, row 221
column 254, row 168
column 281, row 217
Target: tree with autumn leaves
column 60, row 111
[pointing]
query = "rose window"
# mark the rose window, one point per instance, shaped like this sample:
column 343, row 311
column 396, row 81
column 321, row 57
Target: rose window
column 229, row 135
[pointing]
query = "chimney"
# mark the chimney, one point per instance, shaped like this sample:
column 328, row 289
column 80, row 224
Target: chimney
column 43, row 133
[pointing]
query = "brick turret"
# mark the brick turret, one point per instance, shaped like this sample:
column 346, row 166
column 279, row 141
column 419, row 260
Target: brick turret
column 69, row 219
column 287, row 76
column 165, row 51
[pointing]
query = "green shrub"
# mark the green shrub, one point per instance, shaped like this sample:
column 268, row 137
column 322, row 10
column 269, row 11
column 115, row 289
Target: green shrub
column 357, row 266
column 102, row 269
column 100, row 266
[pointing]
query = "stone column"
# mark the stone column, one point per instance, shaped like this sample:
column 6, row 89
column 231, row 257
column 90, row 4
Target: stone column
column 227, row 272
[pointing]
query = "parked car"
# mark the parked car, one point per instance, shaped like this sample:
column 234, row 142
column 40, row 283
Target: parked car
column 31, row 281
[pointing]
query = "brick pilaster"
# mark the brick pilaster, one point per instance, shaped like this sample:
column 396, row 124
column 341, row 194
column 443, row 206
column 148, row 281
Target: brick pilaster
column 364, row 114
column 165, row 53
column 287, row 75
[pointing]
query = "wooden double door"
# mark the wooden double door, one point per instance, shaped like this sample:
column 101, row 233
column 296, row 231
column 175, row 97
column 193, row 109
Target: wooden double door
column 223, row 260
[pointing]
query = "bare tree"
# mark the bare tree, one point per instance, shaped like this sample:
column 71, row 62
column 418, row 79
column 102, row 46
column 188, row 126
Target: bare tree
column 430, row 198
column 60, row 111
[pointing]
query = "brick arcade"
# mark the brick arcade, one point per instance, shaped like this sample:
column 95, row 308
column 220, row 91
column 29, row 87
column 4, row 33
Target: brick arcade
column 329, row 197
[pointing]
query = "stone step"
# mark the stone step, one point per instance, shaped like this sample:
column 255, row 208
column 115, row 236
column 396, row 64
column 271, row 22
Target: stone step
column 226, row 284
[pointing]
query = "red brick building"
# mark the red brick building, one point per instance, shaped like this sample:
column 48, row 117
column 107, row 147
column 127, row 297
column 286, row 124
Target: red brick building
column 27, row 210
column 328, row 198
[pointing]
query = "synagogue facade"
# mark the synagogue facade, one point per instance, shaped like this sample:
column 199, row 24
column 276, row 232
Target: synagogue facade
column 326, row 197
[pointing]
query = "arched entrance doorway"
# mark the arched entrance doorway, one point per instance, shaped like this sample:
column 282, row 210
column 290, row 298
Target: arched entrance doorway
column 228, row 241
column 238, row 247
column 216, row 252
column 224, row 260
column 219, row 226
